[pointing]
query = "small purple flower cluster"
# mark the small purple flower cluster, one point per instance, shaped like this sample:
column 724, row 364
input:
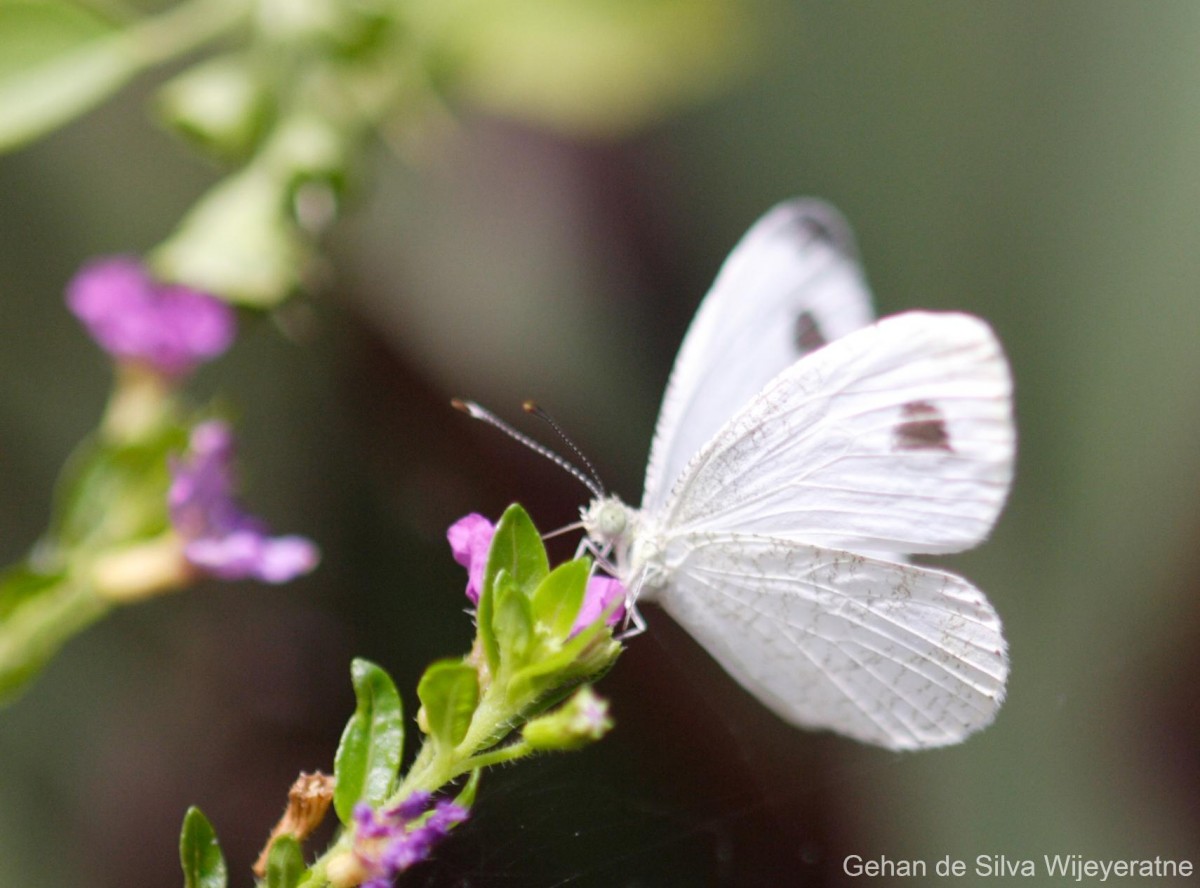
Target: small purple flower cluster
column 470, row 539
column 388, row 842
column 136, row 319
column 220, row 537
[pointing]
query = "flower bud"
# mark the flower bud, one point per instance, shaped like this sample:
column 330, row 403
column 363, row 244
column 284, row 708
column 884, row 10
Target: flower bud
column 581, row 720
column 219, row 104
column 308, row 800
column 239, row 240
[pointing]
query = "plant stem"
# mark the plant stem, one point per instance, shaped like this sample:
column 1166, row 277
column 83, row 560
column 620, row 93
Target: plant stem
column 499, row 756
column 182, row 28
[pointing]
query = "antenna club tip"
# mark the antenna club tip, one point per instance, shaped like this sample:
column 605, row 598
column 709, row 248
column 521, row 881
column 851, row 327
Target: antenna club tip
column 530, row 406
column 460, row 405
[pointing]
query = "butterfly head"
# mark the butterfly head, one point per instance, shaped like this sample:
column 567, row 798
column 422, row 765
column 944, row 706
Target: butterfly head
column 607, row 520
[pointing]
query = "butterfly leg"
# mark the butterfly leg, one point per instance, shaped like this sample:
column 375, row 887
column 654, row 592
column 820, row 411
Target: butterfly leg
column 634, row 624
column 599, row 555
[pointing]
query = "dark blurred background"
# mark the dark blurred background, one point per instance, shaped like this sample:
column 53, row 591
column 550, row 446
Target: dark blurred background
column 1035, row 163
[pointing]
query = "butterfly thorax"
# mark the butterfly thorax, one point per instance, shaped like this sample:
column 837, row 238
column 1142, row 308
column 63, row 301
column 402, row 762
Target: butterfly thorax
column 630, row 541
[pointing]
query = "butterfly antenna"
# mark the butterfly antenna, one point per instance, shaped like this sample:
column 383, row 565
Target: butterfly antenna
column 476, row 412
column 533, row 409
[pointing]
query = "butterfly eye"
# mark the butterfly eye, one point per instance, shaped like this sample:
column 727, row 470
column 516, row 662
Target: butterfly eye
column 610, row 522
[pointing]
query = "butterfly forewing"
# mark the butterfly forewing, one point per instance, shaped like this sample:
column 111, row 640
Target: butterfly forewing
column 791, row 285
column 898, row 437
column 900, row 656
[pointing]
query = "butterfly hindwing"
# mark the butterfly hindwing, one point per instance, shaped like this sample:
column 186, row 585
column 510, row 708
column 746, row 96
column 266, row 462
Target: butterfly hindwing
column 900, row 656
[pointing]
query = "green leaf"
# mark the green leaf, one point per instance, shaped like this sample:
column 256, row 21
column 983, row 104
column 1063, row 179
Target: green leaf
column 199, row 853
column 449, row 691
column 484, row 615
column 368, row 758
column 57, row 60
column 558, row 598
column 21, row 583
column 517, row 548
column 588, row 66
column 512, row 622
column 38, row 614
column 516, row 551
column 285, row 863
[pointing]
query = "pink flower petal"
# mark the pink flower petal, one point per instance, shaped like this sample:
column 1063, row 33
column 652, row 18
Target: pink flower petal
column 134, row 318
column 470, row 539
column 220, row 537
column 602, row 593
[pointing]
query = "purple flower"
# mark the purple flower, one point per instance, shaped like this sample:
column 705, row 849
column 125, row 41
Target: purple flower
column 414, row 806
column 134, row 318
column 390, row 841
column 602, row 593
column 220, row 538
column 470, row 538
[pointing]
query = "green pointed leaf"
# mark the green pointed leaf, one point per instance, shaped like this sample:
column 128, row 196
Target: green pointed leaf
column 449, row 691
column 57, row 60
column 199, row 853
column 517, row 548
column 38, row 614
column 484, row 615
column 558, row 598
column 512, row 621
column 285, row 863
column 368, row 758
column 517, row 552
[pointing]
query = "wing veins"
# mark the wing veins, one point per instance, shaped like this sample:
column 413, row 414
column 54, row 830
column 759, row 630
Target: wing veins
column 940, row 671
column 834, row 591
column 832, row 677
column 890, row 683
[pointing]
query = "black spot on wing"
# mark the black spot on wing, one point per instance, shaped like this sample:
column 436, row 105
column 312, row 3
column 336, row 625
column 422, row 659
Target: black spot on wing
column 814, row 222
column 922, row 427
column 806, row 334
column 813, row 227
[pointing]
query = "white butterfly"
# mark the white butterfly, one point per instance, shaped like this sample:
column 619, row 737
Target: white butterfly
column 797, row 447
